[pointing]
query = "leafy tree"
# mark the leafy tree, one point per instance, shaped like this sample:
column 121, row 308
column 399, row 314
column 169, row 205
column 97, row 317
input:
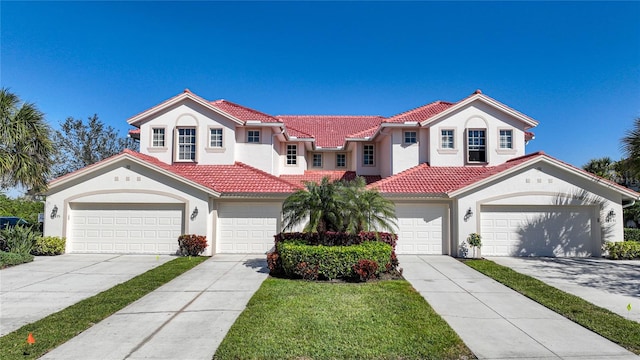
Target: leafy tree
column 338, row 206
column 25, row 147
column 24, row 208
column 84, row 143
column 603, row 167
column 631, row 147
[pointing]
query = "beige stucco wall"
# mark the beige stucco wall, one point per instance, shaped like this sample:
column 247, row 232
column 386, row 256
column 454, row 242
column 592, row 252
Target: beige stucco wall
column 476, row 115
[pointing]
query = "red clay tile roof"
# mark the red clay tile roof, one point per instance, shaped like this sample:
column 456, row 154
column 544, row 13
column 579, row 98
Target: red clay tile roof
column 421, row 113
column 242, row 112
column 330, row 131
column 440, row 180
column 236, row 178
column 316, row 176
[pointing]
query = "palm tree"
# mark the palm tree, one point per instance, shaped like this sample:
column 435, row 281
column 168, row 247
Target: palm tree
column 338, row 206
column 366, row 209
column 25, row 145
column 603, row 167
column 318, row 204
column 631, row 147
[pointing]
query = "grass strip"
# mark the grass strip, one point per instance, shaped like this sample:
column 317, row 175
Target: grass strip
column 59, row 327
column 294, row 319
column 614, row 327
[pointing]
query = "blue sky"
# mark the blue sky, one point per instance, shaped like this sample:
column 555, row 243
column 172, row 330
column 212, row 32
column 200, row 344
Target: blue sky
column 573, row 66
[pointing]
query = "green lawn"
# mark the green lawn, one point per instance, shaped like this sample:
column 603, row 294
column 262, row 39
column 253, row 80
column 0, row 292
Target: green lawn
column 293, row 319
column 624, row 332
column 59, row 327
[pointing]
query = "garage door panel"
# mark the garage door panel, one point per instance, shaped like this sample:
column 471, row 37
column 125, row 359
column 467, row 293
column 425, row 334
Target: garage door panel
column 247, row 227
column 126, row 228
column 537, row 231
column 420, row 228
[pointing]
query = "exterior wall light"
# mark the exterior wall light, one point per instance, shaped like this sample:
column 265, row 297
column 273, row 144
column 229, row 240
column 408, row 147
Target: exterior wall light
column 194, row 213
column 468, row 214
column 54, row 212
column 611, row 216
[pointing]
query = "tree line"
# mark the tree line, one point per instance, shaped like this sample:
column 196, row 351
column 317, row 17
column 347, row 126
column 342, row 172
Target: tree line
column 32, row 153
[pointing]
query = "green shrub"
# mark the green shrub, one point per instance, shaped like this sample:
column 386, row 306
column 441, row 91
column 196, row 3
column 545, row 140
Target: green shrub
column 19, row 239
column 631, row 234
column 624, row 250
column 11, row 259
column 330, row 262
column 48, row 245
column 192, row 244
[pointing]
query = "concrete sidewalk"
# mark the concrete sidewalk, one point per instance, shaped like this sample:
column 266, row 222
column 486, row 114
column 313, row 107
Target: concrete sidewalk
column 186, row 318
column 32, row 291
column 610, row 284
column 498, row 323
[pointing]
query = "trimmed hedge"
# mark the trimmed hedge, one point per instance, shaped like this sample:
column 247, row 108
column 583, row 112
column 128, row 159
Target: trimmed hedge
column 631, row 234
column 48, row 245
column 623, row 250
column 314, row 262
column 330, row 238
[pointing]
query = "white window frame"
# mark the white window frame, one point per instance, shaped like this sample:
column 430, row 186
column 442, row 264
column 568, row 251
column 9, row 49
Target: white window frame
column 407, row 135
column 505, row 139
column 292, row 155
column 451, row 141
column 211, row 140
column 365, row 155
column 154, row 140
column 314, row 157
column 345, row 160
column 193, row 144
column 478, row 147
column 251, row 134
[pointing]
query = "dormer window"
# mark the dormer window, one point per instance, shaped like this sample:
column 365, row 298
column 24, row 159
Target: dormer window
column 186, row 144
column 157, row 137
column 410, row 137
column 253, row 136
column 476, row 145
column 368, row 155
column 506, row 139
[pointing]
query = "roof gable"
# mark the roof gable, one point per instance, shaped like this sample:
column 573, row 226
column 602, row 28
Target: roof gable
column 330, row 131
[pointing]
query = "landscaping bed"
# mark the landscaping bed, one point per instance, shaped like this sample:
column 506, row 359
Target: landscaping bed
column 623, row 332
column 297, row 319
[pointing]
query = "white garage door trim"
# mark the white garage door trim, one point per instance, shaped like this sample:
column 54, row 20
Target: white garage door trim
column 538, row 230
column 422, row 228
column 247, row 228
column 125, row 228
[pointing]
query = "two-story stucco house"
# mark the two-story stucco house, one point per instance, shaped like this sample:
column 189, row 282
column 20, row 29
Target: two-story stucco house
column 222, row 170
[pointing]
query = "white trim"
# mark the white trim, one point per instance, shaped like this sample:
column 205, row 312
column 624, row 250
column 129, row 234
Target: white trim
column 214, row 127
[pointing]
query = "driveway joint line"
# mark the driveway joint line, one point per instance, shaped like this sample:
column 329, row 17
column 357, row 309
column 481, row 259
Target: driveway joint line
column 483, row 303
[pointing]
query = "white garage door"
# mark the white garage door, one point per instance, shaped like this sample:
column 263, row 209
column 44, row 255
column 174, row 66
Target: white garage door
column 247, row 227
column 421, row 229
column 125, row 228
column 537, row 230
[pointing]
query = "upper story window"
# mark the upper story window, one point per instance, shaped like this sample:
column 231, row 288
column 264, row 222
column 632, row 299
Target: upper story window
column 476, row 145
column 317, row 160
column 186, row 144
column 157, row 137
column 292, row 154
column 446, row 139
column 253, row 136
column 215, row 138
column 341, row 160
column 368, row 153
column 410, row 137
column 506, row 139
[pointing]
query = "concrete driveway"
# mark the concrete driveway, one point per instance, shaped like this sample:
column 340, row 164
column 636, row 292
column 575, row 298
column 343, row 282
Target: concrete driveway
column 610, row 284
column 186, row 318
column 31, row 291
